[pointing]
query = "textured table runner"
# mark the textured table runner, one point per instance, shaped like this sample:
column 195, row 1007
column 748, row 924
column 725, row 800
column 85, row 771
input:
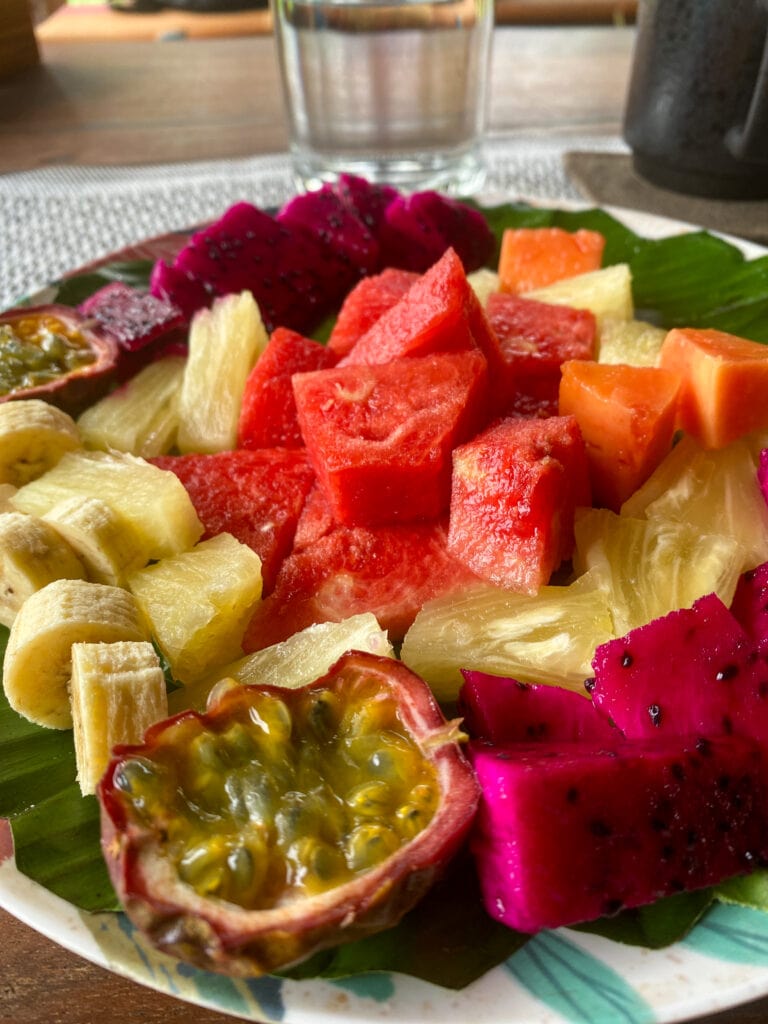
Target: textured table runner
column 57, row 219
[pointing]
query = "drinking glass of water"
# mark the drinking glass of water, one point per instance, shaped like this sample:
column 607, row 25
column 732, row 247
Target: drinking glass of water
column 392, row 90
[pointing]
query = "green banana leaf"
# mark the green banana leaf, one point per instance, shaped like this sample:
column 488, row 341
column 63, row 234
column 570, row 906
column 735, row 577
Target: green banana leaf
column 77, row 288
column 447, row 939
column 694, row 279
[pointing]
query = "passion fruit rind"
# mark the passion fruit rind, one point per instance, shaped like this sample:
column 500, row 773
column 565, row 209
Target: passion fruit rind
column 285, row 821
column 54, row 353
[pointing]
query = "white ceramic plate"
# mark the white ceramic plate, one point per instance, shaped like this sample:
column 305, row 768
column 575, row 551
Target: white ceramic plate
column 563, row 977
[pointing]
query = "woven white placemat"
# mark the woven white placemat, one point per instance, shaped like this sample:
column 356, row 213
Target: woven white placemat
column 59, row 218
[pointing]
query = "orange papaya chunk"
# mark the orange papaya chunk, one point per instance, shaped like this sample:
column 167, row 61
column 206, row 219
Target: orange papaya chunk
column 535, row 257
column 724, row 393
column 627, row 417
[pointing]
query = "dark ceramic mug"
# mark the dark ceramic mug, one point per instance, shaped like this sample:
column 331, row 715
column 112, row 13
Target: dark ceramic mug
column 697, row 110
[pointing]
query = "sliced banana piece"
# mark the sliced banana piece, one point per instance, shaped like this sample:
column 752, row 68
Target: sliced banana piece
column 33, row 437
column 32, row 555
column 38, row 659
column 7, row 492
column 117, row 692
column 153, row 500
column 105, row 541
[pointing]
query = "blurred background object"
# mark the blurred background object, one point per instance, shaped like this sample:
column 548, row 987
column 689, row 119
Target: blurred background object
column 94, row 20
column 202, row 6
column 697, row 110
column 42, row 9
column 18, row 46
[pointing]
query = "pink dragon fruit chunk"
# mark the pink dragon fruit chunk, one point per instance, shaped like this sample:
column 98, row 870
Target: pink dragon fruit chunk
column 694, row 671
column 293, row 276
column 750, row 605
column 566, row 834
column 419, row 228
column 762, row 472
column 502, row 710
column 324, row 216
column 187, row 293
column 134, row 318
column 367, row 200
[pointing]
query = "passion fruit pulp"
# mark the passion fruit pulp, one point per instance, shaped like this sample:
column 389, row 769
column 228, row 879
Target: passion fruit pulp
column 54, row 353
column 284, row 821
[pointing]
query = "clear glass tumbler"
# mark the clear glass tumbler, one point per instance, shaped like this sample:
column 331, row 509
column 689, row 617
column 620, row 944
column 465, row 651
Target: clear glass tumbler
column 392, row 90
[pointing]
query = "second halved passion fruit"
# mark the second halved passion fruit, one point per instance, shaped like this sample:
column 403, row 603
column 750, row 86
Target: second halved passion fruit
column 53, row 353
column 284, row 821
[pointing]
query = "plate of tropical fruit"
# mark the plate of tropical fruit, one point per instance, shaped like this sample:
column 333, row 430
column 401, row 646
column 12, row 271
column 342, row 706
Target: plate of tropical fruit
column 384, row 589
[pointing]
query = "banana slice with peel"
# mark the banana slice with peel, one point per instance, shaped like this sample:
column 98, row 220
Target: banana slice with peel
column 32, row 555
column 33, row 437
column 105, row 541
column 117, row 692
column 38, row 659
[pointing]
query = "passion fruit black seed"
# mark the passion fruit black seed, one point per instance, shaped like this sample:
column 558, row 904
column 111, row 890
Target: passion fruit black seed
column 279, row 803
column 37, row 349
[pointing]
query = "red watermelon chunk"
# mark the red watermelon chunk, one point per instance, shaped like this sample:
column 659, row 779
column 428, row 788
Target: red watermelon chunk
column 535, row 339
column 268, row 412
column 367, row 301
column 389, row 570
column 380, row 437
column 439, row 313
column 256, row 496
column 533, row 403
column 316, row 519
column 514, row 492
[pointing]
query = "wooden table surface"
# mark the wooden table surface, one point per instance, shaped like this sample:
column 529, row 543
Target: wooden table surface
column 120, row 103
column 153, row 102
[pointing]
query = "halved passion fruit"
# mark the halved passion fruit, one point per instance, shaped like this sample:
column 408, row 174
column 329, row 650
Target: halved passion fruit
column 54, row 353
column 284, row 821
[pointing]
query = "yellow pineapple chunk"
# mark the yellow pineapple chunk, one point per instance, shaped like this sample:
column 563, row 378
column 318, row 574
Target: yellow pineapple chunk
column 152, row 501
column 117, row 692
column 300, row 659
column 484, row 283
column 607, row 293
column 649, row 567
column 198, row 603
column 224, row 343
column 142, row 416
column 631, row 342
column 715, row 492
column 547, row 638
